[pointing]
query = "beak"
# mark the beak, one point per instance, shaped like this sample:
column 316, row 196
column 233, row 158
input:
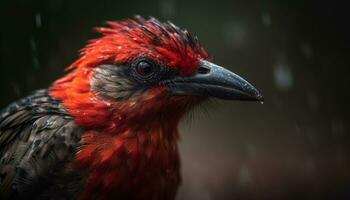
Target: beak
column 212, row 80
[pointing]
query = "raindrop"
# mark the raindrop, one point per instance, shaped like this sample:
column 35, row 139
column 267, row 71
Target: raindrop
column 297, row 127
column 310, row 165
column 306, row 50
column 234, row 33
column 311, row 135
column 313, row 101
column 251, row 150
column 266, row 19
column 32, row 45
column 244, row 176
column 167, row 8
column 337, row 127
column 38, row 20
column 283, row 76
column 16, row 89
column 35, row 62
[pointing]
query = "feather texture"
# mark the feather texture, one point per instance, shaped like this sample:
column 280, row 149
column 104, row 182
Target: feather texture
column 97, row 133
column 37, row 139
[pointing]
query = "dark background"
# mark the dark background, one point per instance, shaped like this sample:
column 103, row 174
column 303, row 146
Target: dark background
column 295, row 145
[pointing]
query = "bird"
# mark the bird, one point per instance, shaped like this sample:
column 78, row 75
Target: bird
column 108, row 129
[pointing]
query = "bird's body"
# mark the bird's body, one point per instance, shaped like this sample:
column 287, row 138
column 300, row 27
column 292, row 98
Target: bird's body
column 108, row 129
column 38, row 138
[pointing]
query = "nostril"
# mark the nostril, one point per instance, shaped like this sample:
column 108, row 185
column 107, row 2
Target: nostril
column 203, row 70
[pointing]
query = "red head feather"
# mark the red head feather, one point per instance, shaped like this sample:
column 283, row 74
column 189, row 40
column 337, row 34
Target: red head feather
column 129, row 39
column 116, row 147
column 120, row 43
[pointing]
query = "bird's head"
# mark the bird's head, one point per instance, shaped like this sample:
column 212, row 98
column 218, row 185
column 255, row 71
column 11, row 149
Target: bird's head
column 145, row 69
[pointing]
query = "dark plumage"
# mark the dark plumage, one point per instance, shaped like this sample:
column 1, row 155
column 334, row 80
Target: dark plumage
column 37, row 137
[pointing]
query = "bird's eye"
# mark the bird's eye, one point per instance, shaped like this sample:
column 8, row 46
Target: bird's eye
column 145, row 68
column 147, row 71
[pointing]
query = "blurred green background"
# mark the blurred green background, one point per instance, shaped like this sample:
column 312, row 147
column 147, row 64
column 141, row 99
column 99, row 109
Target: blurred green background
column 294, row 146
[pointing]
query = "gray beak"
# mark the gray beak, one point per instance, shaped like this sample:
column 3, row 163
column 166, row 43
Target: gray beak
column 212, row 80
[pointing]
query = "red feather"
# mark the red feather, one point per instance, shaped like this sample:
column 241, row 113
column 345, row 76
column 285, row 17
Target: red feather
column 130, row 151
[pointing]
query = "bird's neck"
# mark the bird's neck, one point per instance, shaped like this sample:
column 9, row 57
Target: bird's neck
column 131, row 164
column 126, row 149
column 75, row 93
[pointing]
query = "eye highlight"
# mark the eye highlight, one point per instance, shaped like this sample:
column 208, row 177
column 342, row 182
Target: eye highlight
column 145, row 68
column 148, row 72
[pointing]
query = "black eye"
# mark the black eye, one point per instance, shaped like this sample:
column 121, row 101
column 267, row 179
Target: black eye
column 145, row 68
column 148, row 72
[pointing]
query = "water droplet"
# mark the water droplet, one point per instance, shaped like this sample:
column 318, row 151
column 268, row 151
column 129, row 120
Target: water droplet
column 283, row 76
column 167, row 8
column 306, row 50
column 35, row 62
column 16, row 89
column 337, row 126
column 38, row 20
column 266, row 19
column 313, row 100
column 244, row 176
column 234, row 33
column 33, row 45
